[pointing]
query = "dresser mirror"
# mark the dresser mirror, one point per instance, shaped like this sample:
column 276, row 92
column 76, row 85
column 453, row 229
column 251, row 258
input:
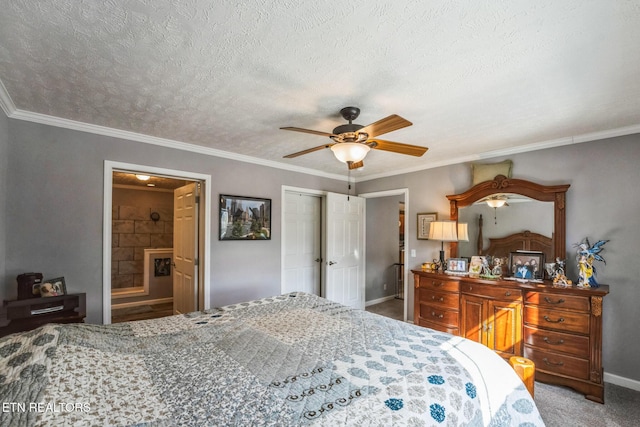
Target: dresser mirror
column 526, row 203
column 518, row 214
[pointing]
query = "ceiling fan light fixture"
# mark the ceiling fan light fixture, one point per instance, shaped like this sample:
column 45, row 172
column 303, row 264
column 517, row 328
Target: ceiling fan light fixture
column 350, row 151
column 496, row 203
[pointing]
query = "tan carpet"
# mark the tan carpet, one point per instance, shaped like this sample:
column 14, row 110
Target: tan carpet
column 564, row 407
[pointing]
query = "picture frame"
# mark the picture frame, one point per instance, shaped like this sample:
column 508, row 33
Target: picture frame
column 244, row 218
column 162, row 267
column 51, row 287
column 457, row 265
column 475, row 266
column 424, row 223
column 526, row 265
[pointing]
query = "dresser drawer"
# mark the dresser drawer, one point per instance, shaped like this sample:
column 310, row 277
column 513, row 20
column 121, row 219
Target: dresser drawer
column 567, row 302
column 558, row 363
column 560, row 320
column 438, row 327
column 576, row 345
column 439, row 299
column 439, row 284
column 439, row 315
column 490, row 291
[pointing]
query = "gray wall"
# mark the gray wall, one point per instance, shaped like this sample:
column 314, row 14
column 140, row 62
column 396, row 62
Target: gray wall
column 602, row 203
column 382, row 245
column 54, row 179
column 4, row 161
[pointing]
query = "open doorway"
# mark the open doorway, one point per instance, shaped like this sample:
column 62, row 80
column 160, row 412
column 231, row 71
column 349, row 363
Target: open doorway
column 139, row 264
column 386, row 254
column 142, row 256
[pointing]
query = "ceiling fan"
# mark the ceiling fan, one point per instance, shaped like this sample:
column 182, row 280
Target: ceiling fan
column 352, row 142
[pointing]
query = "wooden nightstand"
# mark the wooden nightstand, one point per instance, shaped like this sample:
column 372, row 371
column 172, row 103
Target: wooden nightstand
column 27, row 314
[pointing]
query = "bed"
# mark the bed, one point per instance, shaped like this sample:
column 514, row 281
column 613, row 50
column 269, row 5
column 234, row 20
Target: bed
column 290, row 360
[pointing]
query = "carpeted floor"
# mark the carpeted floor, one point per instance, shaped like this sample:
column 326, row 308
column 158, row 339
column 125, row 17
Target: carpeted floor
column 561, row 406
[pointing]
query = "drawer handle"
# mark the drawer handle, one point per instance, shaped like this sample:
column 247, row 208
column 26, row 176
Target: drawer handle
column 548, row 341
column 439, row 316
column 548, row 301
column 560, row 320
column 436, row 284
column 507, row 294
column 433, row 298
column 546, row 361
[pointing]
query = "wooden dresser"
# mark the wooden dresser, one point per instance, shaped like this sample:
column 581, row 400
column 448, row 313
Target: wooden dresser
column 559, row 329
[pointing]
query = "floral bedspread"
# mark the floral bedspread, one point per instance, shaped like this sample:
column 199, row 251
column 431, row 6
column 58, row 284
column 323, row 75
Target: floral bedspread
column 290, row 360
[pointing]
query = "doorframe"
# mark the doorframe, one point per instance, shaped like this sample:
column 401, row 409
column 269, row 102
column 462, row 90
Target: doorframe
column 307, row 192
column 112, row 166
column 398, row 192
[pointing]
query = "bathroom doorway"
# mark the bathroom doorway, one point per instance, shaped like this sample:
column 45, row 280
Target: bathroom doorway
column 140, row 267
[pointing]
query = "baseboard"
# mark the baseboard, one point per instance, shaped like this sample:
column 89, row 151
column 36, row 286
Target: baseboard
column 379, row 300
column 622, row 381
column 143, row 302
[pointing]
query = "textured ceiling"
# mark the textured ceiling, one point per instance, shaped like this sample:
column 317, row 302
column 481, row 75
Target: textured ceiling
column 476, row 78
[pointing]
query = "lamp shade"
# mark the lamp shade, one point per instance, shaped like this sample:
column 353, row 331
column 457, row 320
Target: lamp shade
column 463, row 232
column 445, row 231
column 350, row 151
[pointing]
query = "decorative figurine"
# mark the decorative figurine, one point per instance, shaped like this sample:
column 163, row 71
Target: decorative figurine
column 497, row 266
column 555, row 270
column 486, row 271
column 586, row 255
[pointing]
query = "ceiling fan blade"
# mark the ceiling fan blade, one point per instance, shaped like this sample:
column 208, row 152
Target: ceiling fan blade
column 355, row 165
column 310, row 150
column 397, row 147
column 314, row 132
column 388, row 124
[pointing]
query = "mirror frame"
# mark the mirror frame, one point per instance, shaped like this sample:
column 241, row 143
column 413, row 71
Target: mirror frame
column 502, row 184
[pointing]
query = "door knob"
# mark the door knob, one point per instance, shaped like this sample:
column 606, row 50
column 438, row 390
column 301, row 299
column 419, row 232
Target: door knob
column 332, row 262
column 318, row 260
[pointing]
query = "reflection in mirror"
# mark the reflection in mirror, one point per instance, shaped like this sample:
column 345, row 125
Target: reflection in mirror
column 518, row 214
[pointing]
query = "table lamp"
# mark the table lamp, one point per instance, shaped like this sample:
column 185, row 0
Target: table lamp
column 445, row 231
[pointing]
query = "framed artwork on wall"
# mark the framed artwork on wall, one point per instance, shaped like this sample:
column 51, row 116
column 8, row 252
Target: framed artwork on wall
column 244, row 218
column 424, row 222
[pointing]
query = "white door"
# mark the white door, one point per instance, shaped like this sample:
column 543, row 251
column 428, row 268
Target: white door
column 345, row 250
column 185, row 249
column 302, row 246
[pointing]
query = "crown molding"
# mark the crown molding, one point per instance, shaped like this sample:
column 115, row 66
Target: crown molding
column 593, row 136
column 6, row 103
column 11, row 111
column 169, row 143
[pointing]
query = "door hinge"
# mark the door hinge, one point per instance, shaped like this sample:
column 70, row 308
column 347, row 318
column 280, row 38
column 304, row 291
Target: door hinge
column 197, row 199
column 196, row 262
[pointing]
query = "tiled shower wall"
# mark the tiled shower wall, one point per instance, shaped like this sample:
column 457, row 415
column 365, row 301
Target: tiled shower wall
column 133, row 231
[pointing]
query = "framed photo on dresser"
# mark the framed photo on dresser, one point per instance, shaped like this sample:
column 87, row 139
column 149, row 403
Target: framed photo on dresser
column 526, row 265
